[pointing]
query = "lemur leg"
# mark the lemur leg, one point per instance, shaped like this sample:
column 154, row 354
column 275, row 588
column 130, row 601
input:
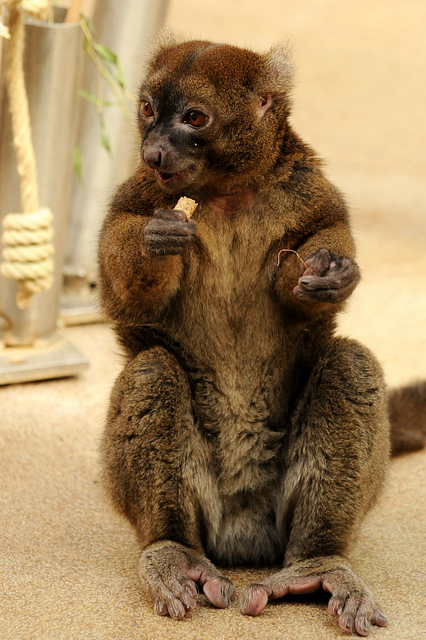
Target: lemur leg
column 153, row 460
column 335, row 468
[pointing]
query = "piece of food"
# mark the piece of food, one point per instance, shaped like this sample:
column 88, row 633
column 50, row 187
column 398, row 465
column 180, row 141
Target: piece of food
column 187, row 205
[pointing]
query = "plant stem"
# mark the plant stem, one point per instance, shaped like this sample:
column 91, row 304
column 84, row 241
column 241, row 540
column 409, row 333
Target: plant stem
column 107, row 77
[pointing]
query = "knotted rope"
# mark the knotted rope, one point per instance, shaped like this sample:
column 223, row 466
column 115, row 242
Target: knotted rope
column 27, row 236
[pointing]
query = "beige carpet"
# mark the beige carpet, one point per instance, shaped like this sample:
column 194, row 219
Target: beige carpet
column 68, row 564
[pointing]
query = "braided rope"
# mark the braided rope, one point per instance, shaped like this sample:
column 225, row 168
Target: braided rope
column 16, row 238
column 37, row 9
column 27, row 252
column 27, row 256
column 21, row 254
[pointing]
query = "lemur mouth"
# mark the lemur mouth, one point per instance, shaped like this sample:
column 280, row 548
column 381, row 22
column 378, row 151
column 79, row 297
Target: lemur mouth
column 164, row 176
column 171, row 181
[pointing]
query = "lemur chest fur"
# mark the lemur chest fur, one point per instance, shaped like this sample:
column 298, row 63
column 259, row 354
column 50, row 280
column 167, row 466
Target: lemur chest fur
column 226, row 296
column 229, row 323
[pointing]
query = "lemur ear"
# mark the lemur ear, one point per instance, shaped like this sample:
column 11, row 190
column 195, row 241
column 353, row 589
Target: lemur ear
column 164, row 40
column 277, row 83
column 279, row 68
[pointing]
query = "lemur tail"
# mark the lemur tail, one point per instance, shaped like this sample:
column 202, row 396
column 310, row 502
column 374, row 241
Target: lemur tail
column 407, row 413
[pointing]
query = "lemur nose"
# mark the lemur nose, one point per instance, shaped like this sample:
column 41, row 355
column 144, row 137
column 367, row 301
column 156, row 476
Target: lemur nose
column 153, row 157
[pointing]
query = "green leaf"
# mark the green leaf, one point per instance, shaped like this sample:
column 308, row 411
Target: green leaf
column 120, row 76
column 92, row 98
column 77, row 163
column 87, row 21
column 105, row 53
column 104, row 137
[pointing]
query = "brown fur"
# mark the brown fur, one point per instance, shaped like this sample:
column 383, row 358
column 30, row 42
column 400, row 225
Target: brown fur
column 407, row 414
column 241, row 429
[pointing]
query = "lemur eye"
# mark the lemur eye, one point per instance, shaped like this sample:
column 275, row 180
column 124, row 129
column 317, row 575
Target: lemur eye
column 195, row 118
column 146, row 110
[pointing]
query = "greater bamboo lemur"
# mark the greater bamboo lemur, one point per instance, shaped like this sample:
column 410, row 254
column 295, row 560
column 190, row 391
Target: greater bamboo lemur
column 241, row 429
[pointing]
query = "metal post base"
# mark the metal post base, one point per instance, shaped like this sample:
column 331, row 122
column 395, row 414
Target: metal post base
column 55, row 358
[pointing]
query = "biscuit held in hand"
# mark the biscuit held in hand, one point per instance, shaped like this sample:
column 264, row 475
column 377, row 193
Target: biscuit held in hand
column 170, row 231
column 187, row 205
